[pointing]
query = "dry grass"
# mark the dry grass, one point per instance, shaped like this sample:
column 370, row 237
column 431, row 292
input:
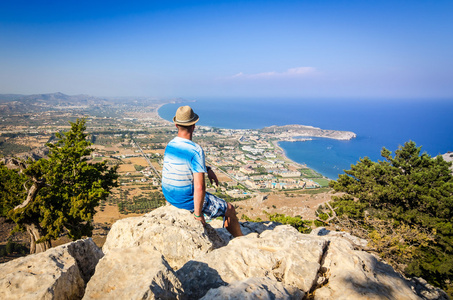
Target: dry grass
column 153, row 151
column 110, row 215
column 301, row 205
column 137, row 161
column 222, row 177
column 126, row 168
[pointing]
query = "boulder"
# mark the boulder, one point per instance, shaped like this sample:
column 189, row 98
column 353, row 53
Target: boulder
column 58, row 273
column 348, row 273
column 325, row 264
column 283, row 254
column 133, row 273
column 254, row 289
column 356, row 241
column 167, row 254
column 353, row 274
column 246, row 227
column 427, row 291
column 171, row 231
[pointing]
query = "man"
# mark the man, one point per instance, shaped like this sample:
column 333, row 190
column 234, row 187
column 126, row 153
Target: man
column 183, row 176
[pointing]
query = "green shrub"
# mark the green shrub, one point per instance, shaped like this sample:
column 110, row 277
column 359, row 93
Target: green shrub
column 9, row 247
column 404, row 205
column 296, row 222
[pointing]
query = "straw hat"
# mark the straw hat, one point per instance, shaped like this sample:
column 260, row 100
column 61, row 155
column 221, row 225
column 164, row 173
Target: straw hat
column 185, row 116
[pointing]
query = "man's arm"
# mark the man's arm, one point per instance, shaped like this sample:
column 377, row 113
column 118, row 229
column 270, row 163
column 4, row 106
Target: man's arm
column 211, row 176
column 199, row 191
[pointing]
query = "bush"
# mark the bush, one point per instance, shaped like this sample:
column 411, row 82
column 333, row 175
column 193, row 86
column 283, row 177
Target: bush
column 9, row 247
column 296, row 222
column 138, row 168
column 318, row 223
column 404, row 205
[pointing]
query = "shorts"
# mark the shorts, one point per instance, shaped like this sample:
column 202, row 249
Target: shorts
column 214, row 206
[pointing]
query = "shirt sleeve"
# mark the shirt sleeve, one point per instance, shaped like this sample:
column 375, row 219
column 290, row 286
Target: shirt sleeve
column 198, row 164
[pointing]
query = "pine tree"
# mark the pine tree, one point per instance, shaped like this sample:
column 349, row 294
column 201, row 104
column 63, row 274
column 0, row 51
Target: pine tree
column 408, row 190
column 11, row 189
column 62, row 191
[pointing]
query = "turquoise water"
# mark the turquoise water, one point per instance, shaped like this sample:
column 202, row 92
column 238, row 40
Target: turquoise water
column 377, row 123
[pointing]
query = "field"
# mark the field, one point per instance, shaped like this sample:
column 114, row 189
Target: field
column 303, row 205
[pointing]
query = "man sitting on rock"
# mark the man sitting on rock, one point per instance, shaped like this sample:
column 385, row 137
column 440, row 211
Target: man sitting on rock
column 183, row 176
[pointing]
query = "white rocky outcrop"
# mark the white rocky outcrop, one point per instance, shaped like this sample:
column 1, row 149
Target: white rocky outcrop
column 255, row 288
column 58, row 273
column 171, row 231
column 134, row 273
column 273, row 254
column 167, row 254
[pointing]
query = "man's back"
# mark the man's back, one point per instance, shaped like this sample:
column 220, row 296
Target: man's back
column 182, row 158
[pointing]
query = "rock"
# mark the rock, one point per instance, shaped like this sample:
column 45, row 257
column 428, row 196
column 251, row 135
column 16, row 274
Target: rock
column 259, row 227
column 325, row 264
column 255, row 288
column 322, row 231
column 87, row 255
column 427, row 291
column 134, row 273
column 282, row 254
column 246, row 227
column 167, row 254
column 352, row 274
column 173, row 232
column 58, row 273
column 261, row 198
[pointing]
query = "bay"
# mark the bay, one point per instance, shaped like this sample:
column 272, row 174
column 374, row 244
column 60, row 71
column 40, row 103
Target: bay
column 378, row 123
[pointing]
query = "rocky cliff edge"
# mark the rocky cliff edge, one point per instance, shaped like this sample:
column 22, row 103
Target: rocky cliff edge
column 166, row 254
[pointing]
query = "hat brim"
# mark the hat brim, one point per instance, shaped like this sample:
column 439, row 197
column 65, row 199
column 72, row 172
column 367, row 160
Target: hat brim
column 188, row 123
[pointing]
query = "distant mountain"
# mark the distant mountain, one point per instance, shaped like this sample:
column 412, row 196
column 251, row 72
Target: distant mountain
column 10, row 103
column 19, row 104
column 9, row 97
column 60, row 99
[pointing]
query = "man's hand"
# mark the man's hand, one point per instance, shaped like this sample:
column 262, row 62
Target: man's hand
column 212, row 177
column 201, row 219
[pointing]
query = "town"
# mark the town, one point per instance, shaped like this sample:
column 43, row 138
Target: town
column 248, row 163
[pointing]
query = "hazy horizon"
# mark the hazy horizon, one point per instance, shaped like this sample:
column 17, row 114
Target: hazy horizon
column 249, row 49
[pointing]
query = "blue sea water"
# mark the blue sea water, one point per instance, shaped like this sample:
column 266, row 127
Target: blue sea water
column 377, row 123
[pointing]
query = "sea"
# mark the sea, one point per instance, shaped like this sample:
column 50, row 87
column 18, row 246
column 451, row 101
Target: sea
column 378, row 123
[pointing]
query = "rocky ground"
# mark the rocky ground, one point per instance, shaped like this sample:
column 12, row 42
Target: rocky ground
column 167, row 254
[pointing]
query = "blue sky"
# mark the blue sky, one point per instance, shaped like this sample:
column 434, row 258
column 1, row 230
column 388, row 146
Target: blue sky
column 189, row 49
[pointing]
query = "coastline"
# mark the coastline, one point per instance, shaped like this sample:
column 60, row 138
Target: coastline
column 285, row 155
column 157, row 112
column 290, row 137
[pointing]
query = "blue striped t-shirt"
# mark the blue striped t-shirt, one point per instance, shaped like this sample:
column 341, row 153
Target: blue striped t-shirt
column 182, row 158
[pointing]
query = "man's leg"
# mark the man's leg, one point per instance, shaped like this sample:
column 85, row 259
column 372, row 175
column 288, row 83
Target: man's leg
column 232, row 221
column 215, row 207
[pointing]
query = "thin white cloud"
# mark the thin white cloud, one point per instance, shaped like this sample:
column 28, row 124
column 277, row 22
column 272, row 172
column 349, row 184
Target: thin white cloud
column 293, row 72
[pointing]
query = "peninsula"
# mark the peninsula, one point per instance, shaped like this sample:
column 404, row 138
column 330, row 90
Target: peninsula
column 294, row 132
